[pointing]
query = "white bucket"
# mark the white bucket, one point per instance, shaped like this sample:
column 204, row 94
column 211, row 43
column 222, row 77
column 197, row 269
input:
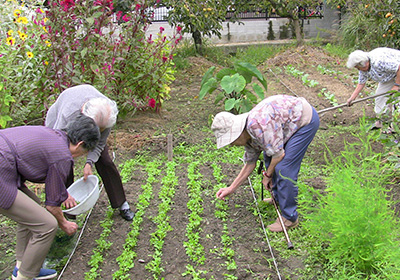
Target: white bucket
column 85, row 193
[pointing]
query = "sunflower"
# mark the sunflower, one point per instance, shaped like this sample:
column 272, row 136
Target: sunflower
column 29, row 54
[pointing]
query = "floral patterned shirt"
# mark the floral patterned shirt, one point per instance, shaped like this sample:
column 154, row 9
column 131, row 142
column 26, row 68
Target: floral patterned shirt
column 384, row 64
column 272, row 122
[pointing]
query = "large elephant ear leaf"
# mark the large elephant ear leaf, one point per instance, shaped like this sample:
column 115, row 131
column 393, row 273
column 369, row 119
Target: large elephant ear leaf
column 208, row 75
column 208, row 87
column 224, row 72
column 230, row 104
column 259, row 91
column 235, row 83
column 249, row 71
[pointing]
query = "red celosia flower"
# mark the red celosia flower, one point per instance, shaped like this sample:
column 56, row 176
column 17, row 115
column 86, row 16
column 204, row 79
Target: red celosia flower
column 67, row 4
column 119, row 15
column 152, row 103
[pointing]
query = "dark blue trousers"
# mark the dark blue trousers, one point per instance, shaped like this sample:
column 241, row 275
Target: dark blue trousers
column 286, row 171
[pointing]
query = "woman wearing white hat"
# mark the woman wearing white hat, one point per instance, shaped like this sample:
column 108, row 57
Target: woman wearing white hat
column 281, row 127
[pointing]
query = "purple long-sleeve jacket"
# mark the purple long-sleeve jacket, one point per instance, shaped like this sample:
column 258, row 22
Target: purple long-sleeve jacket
column 37, row 154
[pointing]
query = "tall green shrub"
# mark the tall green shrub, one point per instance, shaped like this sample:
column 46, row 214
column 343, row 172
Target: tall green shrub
column 354, row 221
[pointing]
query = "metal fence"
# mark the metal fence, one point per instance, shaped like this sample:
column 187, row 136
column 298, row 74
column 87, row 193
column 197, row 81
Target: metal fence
column 161, row 13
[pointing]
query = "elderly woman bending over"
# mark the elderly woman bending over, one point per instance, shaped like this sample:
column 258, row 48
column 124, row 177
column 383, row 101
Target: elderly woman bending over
column 281, row 127
column 380, row 65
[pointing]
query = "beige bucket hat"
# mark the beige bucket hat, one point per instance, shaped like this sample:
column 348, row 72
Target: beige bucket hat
column 227, row 127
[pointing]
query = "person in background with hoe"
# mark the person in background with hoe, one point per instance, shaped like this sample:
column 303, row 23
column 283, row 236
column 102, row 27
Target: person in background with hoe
column 40, row 155
column 281, row 127
column 381, row 65
column 89, row 101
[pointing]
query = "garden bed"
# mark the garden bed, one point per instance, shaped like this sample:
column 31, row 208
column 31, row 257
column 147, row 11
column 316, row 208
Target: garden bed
column 187, row 119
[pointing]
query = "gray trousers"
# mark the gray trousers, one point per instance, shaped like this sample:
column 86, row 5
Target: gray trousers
column 36, row 230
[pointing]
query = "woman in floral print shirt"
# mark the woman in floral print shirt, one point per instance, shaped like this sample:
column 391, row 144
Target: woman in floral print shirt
column 281, row 127
column 380, row 65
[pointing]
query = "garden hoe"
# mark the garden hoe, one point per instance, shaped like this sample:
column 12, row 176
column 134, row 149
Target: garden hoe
column 260, row 168
column 355, row 101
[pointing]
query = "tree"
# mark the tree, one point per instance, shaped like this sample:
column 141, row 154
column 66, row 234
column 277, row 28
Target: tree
column 271, row 35
column 199, row 18
column 293, row 10
column 369, row 24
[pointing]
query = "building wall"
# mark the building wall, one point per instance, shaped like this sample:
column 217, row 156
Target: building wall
column 254, row 30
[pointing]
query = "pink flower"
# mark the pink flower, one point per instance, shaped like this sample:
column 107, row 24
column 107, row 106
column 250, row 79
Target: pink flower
column 126, row 18
column 138, row 7
column 67, row 4
column 179, row 29
column 164, row 59
column 119, row 15
column 152, row 103
column 162, row 29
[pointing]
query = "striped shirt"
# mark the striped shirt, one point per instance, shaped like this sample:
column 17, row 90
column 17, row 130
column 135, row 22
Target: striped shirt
column 37, row 154
column 272, row 122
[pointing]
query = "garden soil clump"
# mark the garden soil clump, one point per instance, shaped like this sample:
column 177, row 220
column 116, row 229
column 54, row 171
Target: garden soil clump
column 187, row 119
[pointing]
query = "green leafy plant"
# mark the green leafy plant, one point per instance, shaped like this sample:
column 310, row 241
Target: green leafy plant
column 291, row 70
column 232, row 84
column 307, row 82
column 127, row 257
column 353, row 219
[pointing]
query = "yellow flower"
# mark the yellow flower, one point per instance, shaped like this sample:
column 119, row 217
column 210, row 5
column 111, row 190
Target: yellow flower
column 46, row 62
column 47, row 43
column 10, row 32
column 44, row 28
column 23, row 20
column 23, row 36
column 10, row 41
column 45, row 19
column 17, row 13
column 29, row 54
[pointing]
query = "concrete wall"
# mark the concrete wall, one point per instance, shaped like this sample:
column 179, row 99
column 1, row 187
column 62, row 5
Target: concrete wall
column 255, row 30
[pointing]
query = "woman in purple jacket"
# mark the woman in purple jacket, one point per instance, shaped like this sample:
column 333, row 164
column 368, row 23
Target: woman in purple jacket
column 40, row 155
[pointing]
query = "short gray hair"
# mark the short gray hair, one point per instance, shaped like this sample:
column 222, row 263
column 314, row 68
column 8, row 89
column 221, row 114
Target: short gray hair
column 357, row 58
column 103, row 111
column 83, row 128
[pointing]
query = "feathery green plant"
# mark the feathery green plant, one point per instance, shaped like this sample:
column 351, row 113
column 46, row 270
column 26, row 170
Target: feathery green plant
column 353, row 220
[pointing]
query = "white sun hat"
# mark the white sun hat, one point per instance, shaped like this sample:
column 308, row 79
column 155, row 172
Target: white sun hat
column 227, row 127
